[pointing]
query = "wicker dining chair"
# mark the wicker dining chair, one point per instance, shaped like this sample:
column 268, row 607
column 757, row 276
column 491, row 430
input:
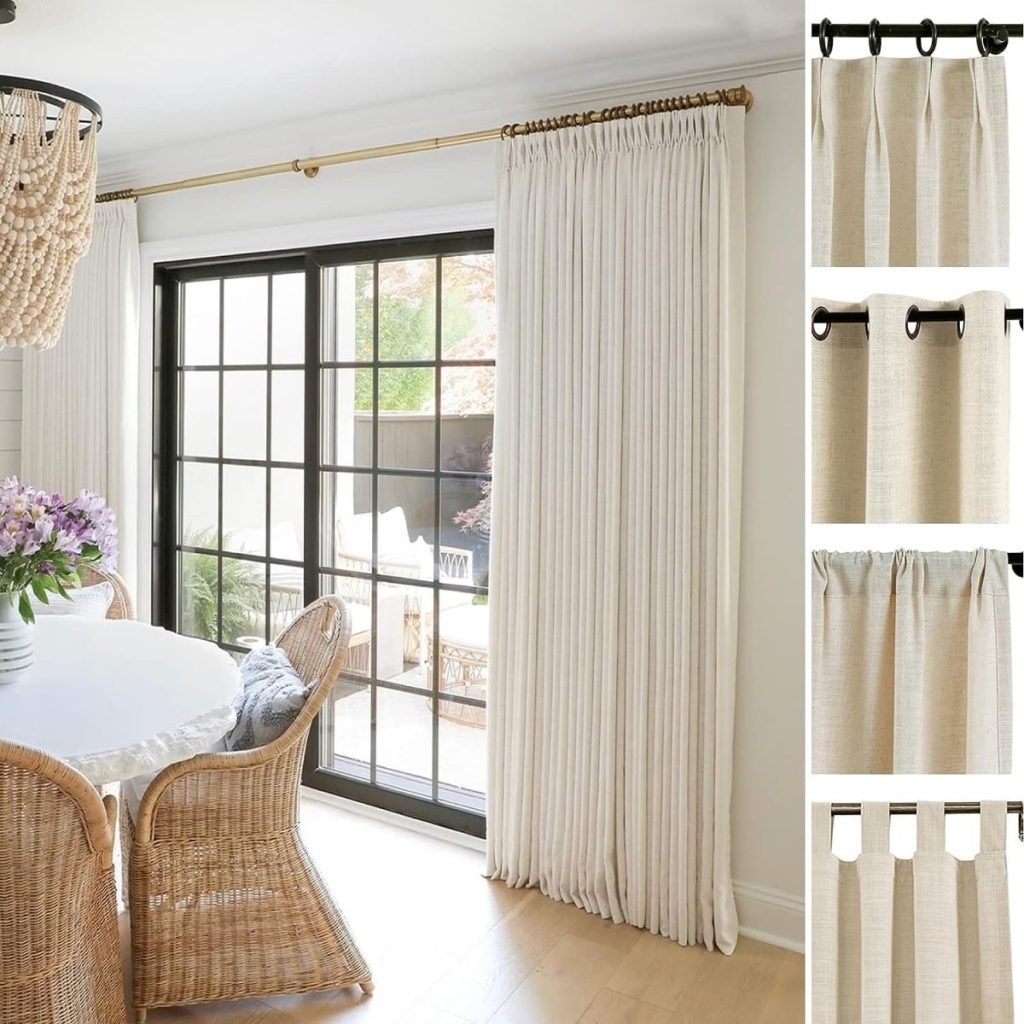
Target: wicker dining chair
column 122, row 606
column 225, row 902
column 60, row 955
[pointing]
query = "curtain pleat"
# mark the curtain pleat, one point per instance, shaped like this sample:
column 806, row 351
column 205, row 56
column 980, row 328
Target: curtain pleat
column 911, row 662
column 910, row 162
column 80, row 411
column 912, row 430
column 618, row 428
column 921, row 941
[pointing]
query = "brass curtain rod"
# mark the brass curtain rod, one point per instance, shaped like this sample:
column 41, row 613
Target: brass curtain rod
column 309, row 166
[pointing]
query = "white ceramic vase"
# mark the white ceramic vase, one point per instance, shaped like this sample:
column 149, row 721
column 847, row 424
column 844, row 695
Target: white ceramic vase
column 16, row 649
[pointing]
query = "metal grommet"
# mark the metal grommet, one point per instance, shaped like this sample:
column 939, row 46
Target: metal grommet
column 825, row 38
column 874, row 38
column 815, row 321
column 961, row 322
column 912, row 318
column 981, row 34
column 929, row 25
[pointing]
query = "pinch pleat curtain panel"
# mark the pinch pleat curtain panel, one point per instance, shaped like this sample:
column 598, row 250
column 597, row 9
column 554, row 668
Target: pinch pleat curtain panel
column 80, row 398
column 910, row 662
column 918, row 941
column 910, row 163
column 616, row 510
column 911, row 429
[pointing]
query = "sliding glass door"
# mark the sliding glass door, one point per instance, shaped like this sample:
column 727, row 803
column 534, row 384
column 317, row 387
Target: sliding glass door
column 330, row 433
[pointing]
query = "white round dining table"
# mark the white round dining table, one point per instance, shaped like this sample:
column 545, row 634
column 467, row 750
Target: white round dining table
column 116, row 699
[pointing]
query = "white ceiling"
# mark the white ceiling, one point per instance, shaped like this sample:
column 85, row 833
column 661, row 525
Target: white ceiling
column 171, row 72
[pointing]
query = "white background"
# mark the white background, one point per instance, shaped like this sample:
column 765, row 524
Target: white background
column 855, row 284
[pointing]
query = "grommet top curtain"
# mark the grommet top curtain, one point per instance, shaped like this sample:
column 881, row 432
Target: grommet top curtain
column 80, row 411
column 911, row 429
column 616, row 510
column 920, row 941
column 910, row 662
column 910, row 162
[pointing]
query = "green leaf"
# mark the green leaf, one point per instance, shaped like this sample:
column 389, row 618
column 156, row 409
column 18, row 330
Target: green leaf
column 25, row 608
column 39, row 589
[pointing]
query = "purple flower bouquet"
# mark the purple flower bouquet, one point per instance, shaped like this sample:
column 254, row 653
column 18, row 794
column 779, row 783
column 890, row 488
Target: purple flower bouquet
column 45, row 538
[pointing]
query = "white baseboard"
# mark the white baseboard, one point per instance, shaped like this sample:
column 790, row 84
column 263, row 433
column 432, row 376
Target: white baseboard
column 768, row 915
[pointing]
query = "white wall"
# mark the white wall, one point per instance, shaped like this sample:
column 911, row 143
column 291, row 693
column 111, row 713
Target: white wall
column 454, row 189
column 10, row 412
column 768, row 809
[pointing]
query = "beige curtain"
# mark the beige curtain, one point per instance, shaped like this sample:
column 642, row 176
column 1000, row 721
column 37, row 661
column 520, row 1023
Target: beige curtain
column 921, row 941
column 81, row 397
column 910, row 162
column 616, row 505
column 912, row 430
column 911, row 662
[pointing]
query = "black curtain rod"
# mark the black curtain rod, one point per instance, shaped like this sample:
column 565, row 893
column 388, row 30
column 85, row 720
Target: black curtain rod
column 823, row 317
column 956, row 807
column 990, row 38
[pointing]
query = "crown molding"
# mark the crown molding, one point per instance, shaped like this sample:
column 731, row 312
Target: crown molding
column 440, row 114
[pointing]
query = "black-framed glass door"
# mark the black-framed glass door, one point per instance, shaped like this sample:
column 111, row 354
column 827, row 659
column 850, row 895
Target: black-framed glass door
column 324, row 423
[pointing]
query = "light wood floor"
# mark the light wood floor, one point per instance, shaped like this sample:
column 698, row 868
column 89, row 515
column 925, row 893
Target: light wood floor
column 449, row 947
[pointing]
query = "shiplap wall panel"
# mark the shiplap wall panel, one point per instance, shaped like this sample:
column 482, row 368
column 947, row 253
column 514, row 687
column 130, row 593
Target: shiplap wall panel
column 10, row 412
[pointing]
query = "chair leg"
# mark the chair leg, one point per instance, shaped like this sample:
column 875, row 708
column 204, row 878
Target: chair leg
column 367, row 987
column 140, row 1016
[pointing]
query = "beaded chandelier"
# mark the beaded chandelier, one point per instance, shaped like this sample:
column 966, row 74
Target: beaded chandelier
column 47, row 191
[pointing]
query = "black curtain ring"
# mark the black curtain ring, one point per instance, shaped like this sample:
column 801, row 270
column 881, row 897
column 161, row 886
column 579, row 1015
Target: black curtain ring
column 867, row 323
column 825, row 38
column 981, row 34
column 874, row 38
column 961, row 322
column 912, row 319
column 815, row 321
column 929, row 26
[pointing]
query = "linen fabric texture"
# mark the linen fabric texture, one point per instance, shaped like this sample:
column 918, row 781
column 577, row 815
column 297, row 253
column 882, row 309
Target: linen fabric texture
column 919, row 941
column 912, row 430
column 910, row 164
column 911, row 662
column 616, row 511
column 81, row 410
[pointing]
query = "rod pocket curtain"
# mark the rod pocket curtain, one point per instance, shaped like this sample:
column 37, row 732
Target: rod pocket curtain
column 616, row 504
column 920, row 941
column 912, row 430
column 80, row 398
column 910, row 662
column 910, row 162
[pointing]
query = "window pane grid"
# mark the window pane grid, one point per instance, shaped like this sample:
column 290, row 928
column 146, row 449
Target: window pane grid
column 404, row 394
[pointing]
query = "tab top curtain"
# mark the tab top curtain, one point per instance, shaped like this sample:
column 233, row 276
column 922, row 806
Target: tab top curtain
column 910, row 162
column 616, row 509
column 920, row 941
column 911, row 430
column 910, row 662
